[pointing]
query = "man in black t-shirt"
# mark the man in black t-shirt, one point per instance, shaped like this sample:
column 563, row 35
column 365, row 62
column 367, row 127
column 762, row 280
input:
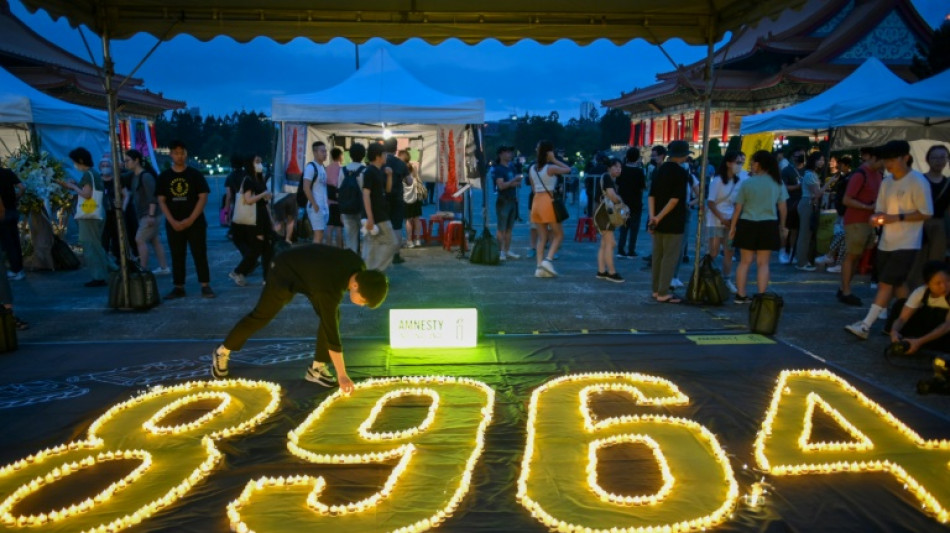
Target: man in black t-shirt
column 397, row 169
column 292, row 273
column 182, row 195
column 381, row 243
column 667, row 222
column 10, row 190
column 630, row 186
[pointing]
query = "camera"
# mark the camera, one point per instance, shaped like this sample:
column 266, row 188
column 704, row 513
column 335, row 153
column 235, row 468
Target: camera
column 897, row 349
column 939, row 383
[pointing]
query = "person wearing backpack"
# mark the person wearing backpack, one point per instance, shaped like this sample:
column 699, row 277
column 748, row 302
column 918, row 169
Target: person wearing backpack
column 859, row 199
column 350, row 197
column 143, row 197
column 314, row 185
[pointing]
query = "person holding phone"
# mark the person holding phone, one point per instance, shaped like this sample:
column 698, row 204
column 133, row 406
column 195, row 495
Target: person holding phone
column 506, row 182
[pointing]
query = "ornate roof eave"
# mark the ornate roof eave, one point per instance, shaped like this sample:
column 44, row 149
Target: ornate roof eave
column 682, row 100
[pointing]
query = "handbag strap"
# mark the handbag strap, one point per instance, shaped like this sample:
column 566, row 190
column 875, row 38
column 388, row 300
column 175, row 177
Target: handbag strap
column 541, row 181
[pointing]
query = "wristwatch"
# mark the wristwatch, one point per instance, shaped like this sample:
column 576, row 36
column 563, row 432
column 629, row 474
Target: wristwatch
column 900, row 217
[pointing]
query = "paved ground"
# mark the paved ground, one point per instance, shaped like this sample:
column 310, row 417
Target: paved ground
column 508, row 297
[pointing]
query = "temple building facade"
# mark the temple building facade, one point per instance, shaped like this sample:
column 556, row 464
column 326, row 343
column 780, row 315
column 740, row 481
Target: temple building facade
column 776, row 64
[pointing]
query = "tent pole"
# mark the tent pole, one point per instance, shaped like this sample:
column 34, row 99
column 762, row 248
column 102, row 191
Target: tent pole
column 704, row 163
column 108, row 72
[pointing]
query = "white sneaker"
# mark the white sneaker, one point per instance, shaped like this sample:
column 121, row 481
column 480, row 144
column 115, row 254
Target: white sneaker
column 15, row 276
column 731, row 286
column 834, row 269
column 858, row 329
column 512, row 255
column 418, row 242
column 320, row 375
column 546, row 265
column 238, row 279
column 805, row 268
column 219, row 364
column 409, row 244
column 541, row 273
column 824, row 260
column 502, row 256
column 783, row 257
column 162, row 271
column 676, row 283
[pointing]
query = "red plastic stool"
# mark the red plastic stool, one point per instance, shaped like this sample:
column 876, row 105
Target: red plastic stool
column 432, row 236
column 585, row 230
column 454, row 236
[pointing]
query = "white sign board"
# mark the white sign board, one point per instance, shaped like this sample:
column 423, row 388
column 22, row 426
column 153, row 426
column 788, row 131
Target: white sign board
column 433, row 328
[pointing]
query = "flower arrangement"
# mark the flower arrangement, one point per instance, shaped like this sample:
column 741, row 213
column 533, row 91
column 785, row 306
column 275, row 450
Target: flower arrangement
column 40, row 173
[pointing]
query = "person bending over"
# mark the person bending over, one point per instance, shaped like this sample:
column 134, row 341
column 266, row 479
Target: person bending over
column 291, row 273
column 922, row 319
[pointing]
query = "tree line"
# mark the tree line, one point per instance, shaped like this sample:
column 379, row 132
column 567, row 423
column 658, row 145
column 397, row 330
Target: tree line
column 212, row 139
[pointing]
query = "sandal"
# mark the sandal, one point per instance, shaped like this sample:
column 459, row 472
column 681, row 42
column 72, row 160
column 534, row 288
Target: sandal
column 21, row 324
column 671, row 299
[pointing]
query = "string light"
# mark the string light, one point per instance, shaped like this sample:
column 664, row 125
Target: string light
column 800, row 456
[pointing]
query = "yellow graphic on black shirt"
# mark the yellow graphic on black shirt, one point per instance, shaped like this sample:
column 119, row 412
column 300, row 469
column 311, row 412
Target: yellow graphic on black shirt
column 179, row 187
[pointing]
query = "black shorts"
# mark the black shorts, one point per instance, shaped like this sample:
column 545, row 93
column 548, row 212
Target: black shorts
column 414, row 210
column 893, row 267
column 335, row 216
column 791, row 214
column 757, row 235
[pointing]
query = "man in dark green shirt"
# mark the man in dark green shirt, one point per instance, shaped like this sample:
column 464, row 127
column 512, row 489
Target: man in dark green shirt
column 322, row 274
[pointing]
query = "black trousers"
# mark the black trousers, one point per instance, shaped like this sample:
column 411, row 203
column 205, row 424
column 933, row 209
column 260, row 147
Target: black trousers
column 110, row 233
column 251, row 248
column 196, row 238
column 274, row 296
column 922, row 322
column 630, row 230
column 10, row 241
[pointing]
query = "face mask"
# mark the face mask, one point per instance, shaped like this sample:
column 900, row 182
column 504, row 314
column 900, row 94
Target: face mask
column 258, row 167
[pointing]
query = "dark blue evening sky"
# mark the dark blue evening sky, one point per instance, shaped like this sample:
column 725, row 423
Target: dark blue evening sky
column 222, row 75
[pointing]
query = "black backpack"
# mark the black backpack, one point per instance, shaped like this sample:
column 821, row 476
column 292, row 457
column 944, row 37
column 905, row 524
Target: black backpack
column 841, row 186
column 301, row 195
column 349, row 196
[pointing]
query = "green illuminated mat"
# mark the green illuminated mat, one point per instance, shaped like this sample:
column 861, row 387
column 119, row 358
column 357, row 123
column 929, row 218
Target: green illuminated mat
column 729, row 432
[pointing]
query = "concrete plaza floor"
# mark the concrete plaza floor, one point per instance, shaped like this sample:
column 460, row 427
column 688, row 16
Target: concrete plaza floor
column 509, row 299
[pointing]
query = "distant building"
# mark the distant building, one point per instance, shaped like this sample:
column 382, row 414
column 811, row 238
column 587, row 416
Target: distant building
column 776, row 64
column 587, row 107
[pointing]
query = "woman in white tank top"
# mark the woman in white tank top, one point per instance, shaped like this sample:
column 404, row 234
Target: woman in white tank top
column 543, row 174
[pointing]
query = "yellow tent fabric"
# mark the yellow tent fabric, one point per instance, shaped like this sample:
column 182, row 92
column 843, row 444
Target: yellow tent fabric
column 508, row 21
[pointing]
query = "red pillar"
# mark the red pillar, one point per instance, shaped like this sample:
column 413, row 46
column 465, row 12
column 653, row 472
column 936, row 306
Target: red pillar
column 696, row 126
column 632, row 133
column 725, row 126
column 652, row 131
column 669, row 129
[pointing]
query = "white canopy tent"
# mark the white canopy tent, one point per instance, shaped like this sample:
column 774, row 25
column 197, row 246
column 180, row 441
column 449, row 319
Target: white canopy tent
column 61, row 126
column 382, row 95
column 825, row 110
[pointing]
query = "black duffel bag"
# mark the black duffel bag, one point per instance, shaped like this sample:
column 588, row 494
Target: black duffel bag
column 765, row 313
column 486, row 250
column 143, row 289
column 709, row 287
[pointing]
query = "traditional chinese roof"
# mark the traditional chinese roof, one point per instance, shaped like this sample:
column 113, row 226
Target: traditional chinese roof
column 793, row 57
column 56, row 72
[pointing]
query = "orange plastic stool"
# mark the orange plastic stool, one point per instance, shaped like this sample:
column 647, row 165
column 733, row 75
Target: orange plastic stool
column 454, row 236
column 432, row 236
column 585, row 230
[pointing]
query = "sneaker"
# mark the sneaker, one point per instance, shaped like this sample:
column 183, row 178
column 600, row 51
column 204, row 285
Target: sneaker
column 418, row 243
column 742, row 299
column 206, row 292
column 783, row 257
column 502, row 256
column 532, row 253
column 615, row 277
column 238, row 279
column 731, row 286
column 849, row 299
column 512, row 255
column 805, row 268
column 858, row 329
column 15, row 276
column 836, row 269
column 824, row 260
column 162, row 271
column 177, row 292
column 546, row 265
column 409, row 244
column 621, row 255
column 676, row 283
column 320, row 375
column 602, row 275
column 219, row 364
column 541, row 273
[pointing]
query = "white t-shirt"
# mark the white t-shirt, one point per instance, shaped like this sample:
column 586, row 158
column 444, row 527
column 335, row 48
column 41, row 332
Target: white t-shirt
column 549, row 181
column 319, row 185
column 906, row 195
column 724, row 195
column 916, row 300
